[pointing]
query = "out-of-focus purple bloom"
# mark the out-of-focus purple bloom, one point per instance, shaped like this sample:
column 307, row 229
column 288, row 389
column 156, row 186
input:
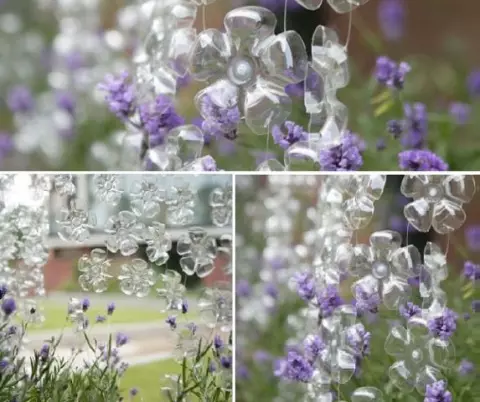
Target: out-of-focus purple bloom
column 344, row 157
column 313, row 345
column 225, row 146
column 473, row 83
column 219, row 121
column 6, row 144
column 184, row 307
column 391, row 74
column 366, row 301
column 3, row 364
column 381, row 144
column 242, row 372
column 409, row 310
column 305, row 285
column 472, row 236
column 110, row 308
column 121, row 339
column 184, row 81
column 119, row 95
column 476, row 306
column 20, row 99
column 414, row 281
column 85, row 304
column 295, row 367
column 192, row 327
column 391, row 16
column 74, row 61
column 207, row 136
column 295, row 90
column 226, row 362
column 328, row 300
column 419, row 160
column 415, row 125
column 217, row 343
column 3, row 290
column 395, row 127
column 9, row 306
column 261, row 156
column 44, row 352
column 471, row 271
column 460, row 112
column 288, row 134
column 172, row 321
column 278, row 5
column 465, row 367
column 158, row 118
column 271, row 290
column 243, row 288
column 262, row 356
column 100, row 318
column 437, row 392
column 66, row 101
column 212, row 367
column 209, row 164
column 443, row 326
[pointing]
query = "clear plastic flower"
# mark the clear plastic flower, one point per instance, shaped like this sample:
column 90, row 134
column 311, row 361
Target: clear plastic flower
column 250, row 66
column 187, row 342
column 94, row 271
column 124, row 233
column 310, row 4
column 33, row 252
column 419, row 357
column 221, row 203
column 75, row 225
column 172, row 291
column 344, row 6
column 32, row 313
column 159, row 243
column 180, row 203
column 145, row 198
column 76, row 315
column 64, row 185
column 367, row 394
column 136, row 278
column 438, row 201
column 215, row 306
column 337, row 360
column 198, row 251
column 384, row 267
column 433, row 272
column 107, row 188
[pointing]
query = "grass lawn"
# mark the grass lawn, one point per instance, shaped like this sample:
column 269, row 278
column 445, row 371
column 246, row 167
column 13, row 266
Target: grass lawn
column 55, row 315
column 148, row 379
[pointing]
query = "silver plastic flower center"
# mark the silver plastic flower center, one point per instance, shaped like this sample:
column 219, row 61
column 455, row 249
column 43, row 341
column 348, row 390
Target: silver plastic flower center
column 417, row 355
column 241, row 70
column 433, row 193
column 380, row 270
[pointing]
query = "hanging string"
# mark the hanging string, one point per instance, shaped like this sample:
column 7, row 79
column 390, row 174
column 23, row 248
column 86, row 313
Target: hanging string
column 204, row 17
column 285, row 13
column 408, row 231
column 349, row 32
column 448, row 245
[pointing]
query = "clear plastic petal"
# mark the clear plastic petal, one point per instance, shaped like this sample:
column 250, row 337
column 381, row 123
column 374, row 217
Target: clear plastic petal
column 397, row 341
column 270, row 165
column 301, row 156
column 406, row 261
column 310, row 4
column 447, row 216
column 189, row 139
column 411, row 185
column 395, row 292
column 358, row 212
column 367, row 394
column 419, row 214
column 401, row 376
column 460, row 188
column 427, row 375
column 384, row 242
column 345, row 6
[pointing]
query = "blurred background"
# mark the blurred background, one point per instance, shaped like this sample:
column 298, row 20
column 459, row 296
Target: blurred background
column 70, row 128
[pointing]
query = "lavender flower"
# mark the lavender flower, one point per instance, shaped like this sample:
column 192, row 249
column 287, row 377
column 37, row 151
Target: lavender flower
column 344, row 157
column 110, row 308
column 415, row 125
column 471, row 271
column 9, row 306
column 20, row 99
column 395, row 127
column 243, row 288
column 172, row 321
column 465, row 367
column 473, row 83
column 391, row 16
column 133, row 392
column 437, row 392
column 261, row 356
column 328, row 300
column 217, row 343
column 443, row 326
column 366, row 302
column 184, row 307
column 120, row 95
column 278, row 5
column 44, row 352
column 313, row 345
column 3, row 290
column 409, row 310
column 219, row 121
column 472, row 236
column 121, row 339
column 460, row 112
column 209, row 164
column 391, row 74
column 100, row 318
column 226, row 362
column 305, row 286
column 288, row 134
column 66, row 101
column 85, row 304
column 295, row 90
column 421, row 160
column 476, row 306
column 6, row 144
column 294, row 367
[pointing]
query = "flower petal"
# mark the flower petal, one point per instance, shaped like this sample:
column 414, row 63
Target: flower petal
column 460, row 188
column 367, row 394
column 406, row 261
column 419, row 214
column 362, row 260
column 358, row 212
column 412, row 184
column 427, row 375
column 441, row 353
column 210, row 54
column 447, row 216
column 266, row 105
column 395, row 292
column 397, row 340
column 384, row 242
column 401, row 376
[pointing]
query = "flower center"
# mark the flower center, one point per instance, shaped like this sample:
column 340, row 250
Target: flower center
column 417, row 355
column 380, row 270
column 433, row 193
column 241, row 70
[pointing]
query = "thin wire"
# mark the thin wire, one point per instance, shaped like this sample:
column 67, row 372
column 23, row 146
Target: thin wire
column 349, row 33
column 448, row 245
column 285, row 13
column 408, row 231
column 204, row 17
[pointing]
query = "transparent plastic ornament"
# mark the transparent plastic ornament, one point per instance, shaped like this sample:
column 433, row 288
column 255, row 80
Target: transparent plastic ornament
column 187, row 342
column 270, row 165
column 32, row 313
column 419, row 357
column 76, row 315
column 107, row 188
column 384, row 267
column 94, row 271
column 310, row 4
column 172, row 292
column 438, row 201
column 180, row 204
column 8, row 245
column 319, row 388
column 64, row 184
column 136, row 278
column 40, row 186
column 221, row 202
column 159, row 243
column 145, row 198
column 367, row 394
column 75, row 224
column 198, row 251
column 345, row 6
column 225, row 250
column 124, row 233
column 303, row 155
column 252, row 64
column 215, row 306
column 205, row 163
column 34, row 253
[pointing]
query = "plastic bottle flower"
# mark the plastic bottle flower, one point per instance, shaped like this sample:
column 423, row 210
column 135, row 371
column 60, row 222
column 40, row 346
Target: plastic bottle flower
column 418, row 355
column 180, row 203
column 32, row 313
column 221, row 203
column 75, row 225
column 124, row 233
column 250, row 66
column 63, row 184
column 76, row 315
column 136, row 278
column 438, row 201
column 344, row 6
column 172, row 291
column 384, row 267
column 107, row 188
column 215, row 306
column 158, row 242
column 198, row 251
column 94, row 268
column 145, row 198
column 367, row 394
